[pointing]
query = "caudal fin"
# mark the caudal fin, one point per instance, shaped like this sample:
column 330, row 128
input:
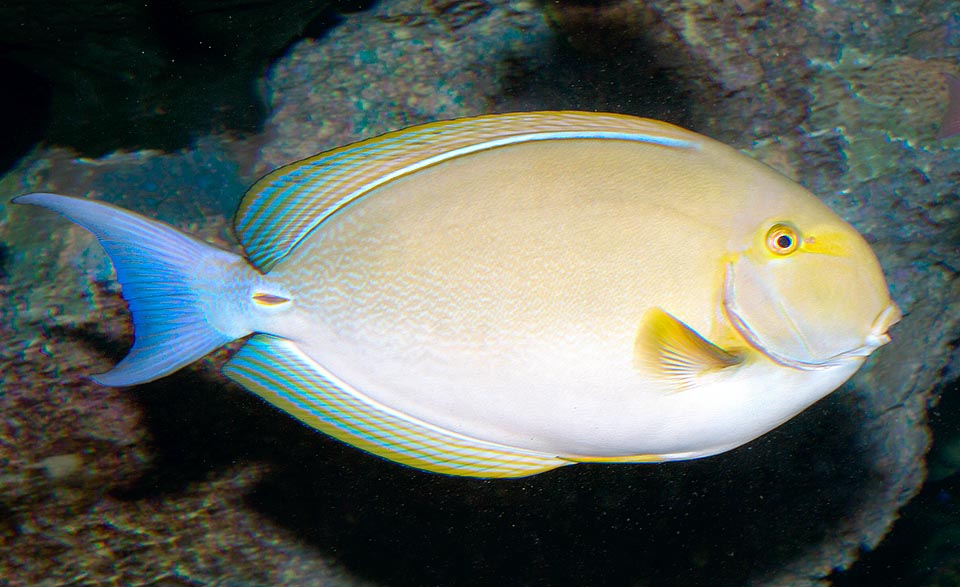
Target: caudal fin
column 172, row 282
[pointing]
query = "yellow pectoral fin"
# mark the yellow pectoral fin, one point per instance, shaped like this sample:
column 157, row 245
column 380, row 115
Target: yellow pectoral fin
column 676, row 353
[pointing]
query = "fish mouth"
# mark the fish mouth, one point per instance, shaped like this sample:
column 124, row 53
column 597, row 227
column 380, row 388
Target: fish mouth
column 881, row 325
column 877, row 337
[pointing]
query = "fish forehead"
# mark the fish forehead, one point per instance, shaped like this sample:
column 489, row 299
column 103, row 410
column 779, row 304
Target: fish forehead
column 488, row 271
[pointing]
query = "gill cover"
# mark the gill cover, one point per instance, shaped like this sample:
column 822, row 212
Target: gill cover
column 810, row 304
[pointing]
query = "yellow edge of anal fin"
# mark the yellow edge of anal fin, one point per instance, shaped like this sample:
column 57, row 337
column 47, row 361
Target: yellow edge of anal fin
column 280, row 373
column 621, row 459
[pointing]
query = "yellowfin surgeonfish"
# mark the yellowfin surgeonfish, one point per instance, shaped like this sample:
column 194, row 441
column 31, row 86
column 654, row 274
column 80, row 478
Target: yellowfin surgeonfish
column 503, row 295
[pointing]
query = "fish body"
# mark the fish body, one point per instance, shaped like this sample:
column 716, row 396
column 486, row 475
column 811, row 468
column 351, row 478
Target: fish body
column 504, row 295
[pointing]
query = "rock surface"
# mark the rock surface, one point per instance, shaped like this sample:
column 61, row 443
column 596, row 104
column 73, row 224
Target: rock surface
column 191, row 481
column 125, row 73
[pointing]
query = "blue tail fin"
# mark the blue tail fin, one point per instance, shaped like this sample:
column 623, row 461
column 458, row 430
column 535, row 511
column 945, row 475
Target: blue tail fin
column 176, row 286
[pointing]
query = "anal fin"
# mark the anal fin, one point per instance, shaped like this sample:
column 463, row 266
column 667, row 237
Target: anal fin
column 278, row 371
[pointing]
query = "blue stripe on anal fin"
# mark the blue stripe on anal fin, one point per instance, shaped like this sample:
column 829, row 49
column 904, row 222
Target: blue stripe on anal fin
column 159, row 269
column 278, row 371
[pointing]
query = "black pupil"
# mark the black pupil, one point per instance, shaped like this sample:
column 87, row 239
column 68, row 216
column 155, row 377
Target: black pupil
column 784, row 241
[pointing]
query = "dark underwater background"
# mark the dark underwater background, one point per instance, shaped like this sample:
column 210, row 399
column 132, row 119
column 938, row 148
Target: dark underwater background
column 174, row 108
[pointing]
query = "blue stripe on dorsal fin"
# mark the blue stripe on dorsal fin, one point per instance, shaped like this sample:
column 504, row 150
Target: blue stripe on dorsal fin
column 279, row 372
column 280, row 209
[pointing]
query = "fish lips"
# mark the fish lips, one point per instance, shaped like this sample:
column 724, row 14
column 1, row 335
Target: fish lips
column 757, row 311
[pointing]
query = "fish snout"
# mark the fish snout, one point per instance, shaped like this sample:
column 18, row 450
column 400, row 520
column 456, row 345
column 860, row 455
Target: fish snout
column 881, row 324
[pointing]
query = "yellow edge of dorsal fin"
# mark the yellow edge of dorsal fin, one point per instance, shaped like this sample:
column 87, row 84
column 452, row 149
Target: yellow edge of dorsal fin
column 675, row 353
column 285, row 205
column 279, row 372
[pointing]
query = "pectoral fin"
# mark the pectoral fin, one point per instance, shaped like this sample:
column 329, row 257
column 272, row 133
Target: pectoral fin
column 676, row 353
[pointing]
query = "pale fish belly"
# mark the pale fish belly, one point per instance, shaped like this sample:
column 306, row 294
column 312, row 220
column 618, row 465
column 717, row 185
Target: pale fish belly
column 500, row 297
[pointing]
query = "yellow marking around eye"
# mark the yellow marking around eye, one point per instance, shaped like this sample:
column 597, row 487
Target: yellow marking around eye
column 825, row 244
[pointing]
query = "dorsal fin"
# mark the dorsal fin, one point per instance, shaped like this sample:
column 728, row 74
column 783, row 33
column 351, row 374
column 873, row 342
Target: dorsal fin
column 285, row 205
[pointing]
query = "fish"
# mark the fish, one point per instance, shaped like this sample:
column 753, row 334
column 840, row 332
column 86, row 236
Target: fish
column 508, row 294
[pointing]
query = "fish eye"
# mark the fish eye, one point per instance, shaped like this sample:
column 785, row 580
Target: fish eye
column 782, row 239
